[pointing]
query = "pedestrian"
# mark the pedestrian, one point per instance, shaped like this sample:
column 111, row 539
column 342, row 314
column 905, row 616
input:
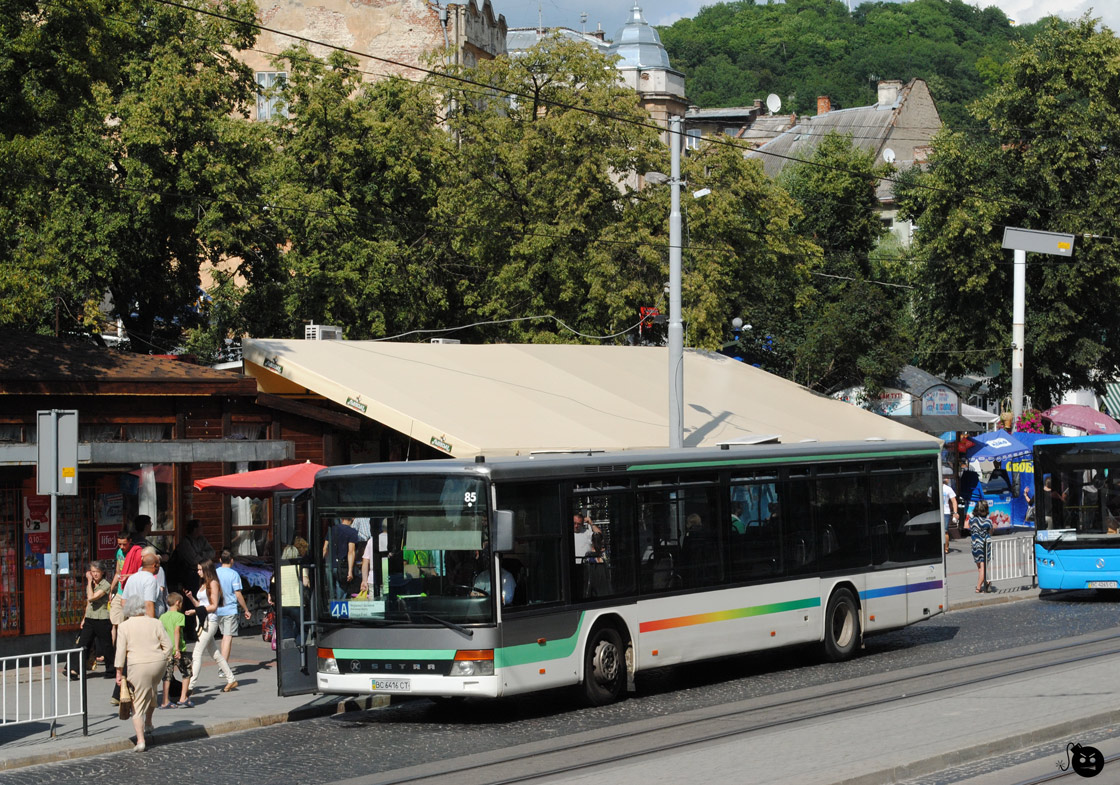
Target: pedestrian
column 980, row 529
column 161, row 579
column 206, row 606
column 141, row 525
column 948, row 508
column 145, row 584
column 227, row 610
column 173, row 620
column 96, row 627
column 128, row 562
column 191, row 551
column 142, row 650
column 342, row 545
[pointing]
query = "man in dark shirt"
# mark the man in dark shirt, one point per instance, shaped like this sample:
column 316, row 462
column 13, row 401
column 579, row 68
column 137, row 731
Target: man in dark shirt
column 343, row 549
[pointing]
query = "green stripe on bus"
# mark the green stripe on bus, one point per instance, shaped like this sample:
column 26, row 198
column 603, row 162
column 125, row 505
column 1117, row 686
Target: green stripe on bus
column 786, row 460
column 529, row 653
column 394, row 654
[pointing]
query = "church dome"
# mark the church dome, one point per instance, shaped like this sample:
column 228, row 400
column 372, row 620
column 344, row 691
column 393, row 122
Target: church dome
column 638, row 44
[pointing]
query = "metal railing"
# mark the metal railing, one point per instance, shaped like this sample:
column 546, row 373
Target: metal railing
column 1011, row 557
column 33, row 688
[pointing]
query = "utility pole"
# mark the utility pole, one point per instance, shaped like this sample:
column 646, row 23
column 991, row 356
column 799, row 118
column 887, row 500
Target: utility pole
column 676, row 326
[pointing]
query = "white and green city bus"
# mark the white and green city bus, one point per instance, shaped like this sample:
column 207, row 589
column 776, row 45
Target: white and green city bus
column 607, row 565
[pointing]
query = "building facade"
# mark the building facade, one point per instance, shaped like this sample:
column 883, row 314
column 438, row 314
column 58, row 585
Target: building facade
column 389, row 37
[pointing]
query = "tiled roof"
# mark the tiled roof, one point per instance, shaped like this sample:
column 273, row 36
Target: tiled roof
column 868, row 125
column 36, row 363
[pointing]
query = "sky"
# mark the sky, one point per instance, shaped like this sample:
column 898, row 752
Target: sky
column 612, row 14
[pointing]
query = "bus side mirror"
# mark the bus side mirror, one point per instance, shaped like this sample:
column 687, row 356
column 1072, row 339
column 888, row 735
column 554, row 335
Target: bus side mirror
column 503, row 531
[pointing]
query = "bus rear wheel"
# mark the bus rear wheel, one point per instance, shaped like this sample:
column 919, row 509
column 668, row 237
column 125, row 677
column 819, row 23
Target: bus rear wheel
column 604, row 667
column 841, row 626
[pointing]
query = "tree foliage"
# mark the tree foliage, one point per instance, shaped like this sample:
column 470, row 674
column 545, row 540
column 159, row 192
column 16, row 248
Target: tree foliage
column 1049, row 163
column 856, row 331
column 134, row 167
column 736, row 52
column 350, row 188
column 535, row 185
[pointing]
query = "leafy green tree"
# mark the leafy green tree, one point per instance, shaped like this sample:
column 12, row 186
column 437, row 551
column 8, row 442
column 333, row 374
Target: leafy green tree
column 558, row 227
column 350, row 189
column 856, row 330
column 1049, row 163
column 735, row 52
column 134, row 168
column 537, row 183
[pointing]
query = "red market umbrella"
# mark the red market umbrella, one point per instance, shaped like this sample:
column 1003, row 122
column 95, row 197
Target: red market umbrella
column 1084, row 418
column 262, row 483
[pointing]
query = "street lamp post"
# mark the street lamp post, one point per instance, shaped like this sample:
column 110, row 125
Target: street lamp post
column 676, row 327
column 676, row 324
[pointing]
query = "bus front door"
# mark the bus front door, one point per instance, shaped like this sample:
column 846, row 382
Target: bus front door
column 293, row 638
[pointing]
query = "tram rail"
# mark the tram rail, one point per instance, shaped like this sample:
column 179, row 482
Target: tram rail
column 541, row 760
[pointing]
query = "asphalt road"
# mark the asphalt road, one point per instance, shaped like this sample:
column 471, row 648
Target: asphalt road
column 340, row 748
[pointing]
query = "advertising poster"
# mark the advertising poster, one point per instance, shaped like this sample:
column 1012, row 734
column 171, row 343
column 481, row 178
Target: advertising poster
column 110, row 519
column 939, row 400
column 36, row 531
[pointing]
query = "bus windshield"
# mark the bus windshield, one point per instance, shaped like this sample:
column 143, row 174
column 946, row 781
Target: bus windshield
column 405, row 549
column 1080, row 487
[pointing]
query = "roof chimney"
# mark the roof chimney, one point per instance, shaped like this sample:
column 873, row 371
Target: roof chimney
column 888, row 91
column 824, row 104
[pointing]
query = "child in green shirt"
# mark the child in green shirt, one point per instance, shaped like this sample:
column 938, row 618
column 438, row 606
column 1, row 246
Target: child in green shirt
column 173, row 620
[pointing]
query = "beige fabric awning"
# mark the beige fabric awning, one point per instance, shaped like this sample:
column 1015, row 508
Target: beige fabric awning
column 503, row 399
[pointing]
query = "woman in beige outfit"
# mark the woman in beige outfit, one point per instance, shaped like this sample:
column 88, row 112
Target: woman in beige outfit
column 143, row 645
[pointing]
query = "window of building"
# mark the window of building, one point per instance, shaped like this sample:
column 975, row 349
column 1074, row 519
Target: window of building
column 692, row 139
column 270, row 100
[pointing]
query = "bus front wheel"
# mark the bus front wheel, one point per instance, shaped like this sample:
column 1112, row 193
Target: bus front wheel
column 604, row 667
column 841, row 626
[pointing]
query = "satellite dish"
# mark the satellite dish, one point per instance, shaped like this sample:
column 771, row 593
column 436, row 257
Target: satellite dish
column 888, row 155
column 773, row 103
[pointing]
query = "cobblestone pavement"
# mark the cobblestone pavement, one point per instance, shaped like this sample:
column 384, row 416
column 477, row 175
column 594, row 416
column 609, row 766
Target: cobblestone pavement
column 329, row 749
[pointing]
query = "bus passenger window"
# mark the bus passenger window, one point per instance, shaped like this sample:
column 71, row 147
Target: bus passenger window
column 685, row 539
column 755, row 529
column 602, row 547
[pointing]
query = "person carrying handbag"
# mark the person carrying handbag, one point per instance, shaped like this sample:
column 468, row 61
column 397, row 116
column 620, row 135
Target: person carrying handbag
column 143, row 648
column 207, row 603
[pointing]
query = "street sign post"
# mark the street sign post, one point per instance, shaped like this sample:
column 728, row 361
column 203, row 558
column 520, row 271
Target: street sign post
column 56, row 475
column 1021, row 241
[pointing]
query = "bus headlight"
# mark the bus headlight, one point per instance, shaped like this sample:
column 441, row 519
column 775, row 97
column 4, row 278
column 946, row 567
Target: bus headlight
column 327, row 662
column 473, row 662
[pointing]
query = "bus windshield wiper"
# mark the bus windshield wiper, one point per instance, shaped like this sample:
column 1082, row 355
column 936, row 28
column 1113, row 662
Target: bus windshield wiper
column 449, row 625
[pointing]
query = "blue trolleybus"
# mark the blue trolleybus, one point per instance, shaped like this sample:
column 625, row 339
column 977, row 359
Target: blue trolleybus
column 1077, row 512
column 501, row 576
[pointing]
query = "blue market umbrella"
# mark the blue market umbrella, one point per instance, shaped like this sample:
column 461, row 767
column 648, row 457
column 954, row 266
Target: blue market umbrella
column 997, row 446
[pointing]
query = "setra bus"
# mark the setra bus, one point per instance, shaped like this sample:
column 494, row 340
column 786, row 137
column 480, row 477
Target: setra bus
column 606, row 565
column 1077, row 512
